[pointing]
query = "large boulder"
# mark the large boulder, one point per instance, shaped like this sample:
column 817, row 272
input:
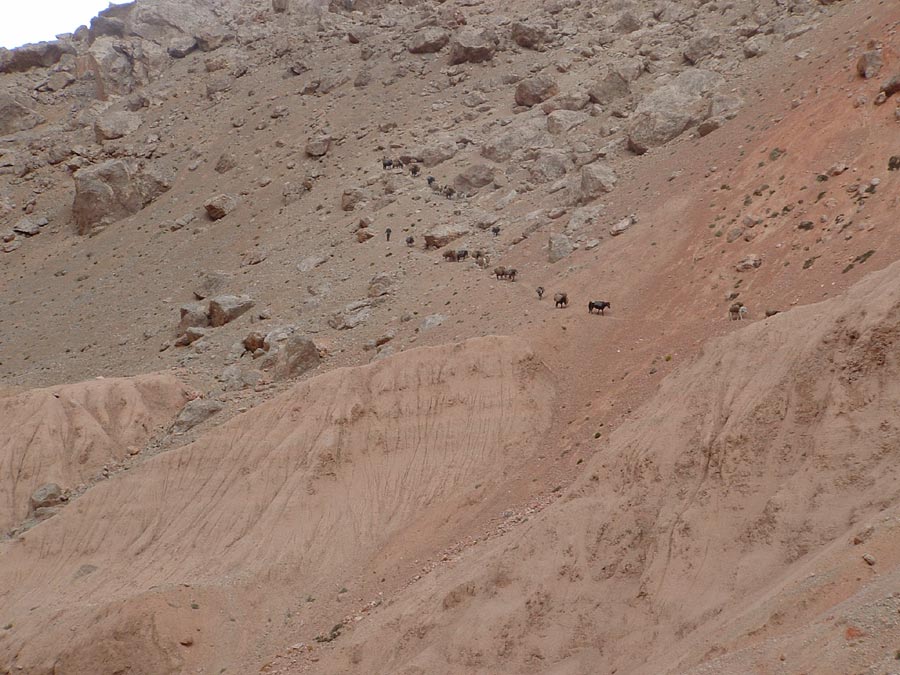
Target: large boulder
column 471, row 46
column 441, row 235
column 576, row 100
column 196, row 412
column 226, row 308
column 353, row 197
column 758, row 45
column 16, row 117
column 891, row 86
column 596, row 179
column 529, row 35
column 119, row 66
column 474, row 177
column 559, row 246
column 193, row 315
column 113, row 125
column 534, row 90
column 665, row 114
column 351, row 316
column 562, row 121
column 429, row 41
column 318, row 146
column 870, row 63
column 438, row 150
column 107, row 192
column 210, row 283
column 298, row 355
column 549, row 165
column 220, row 206
column 40, row 55
column 181, row 45
column 46, row 496
column 380, row 285
column 702, row 46
column 609, row 89
column 529, row 134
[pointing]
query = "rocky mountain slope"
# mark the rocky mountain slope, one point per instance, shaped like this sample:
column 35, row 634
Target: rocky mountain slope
column 259, row 198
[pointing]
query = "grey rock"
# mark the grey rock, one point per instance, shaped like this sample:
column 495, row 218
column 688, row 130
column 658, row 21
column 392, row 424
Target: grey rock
column 193, row 315
column 442, row 234
column 27, row 226
column 623, row 225
column 596, row 179
column 107, row 192
column 220, row 206
column 428, row 41
column 563, row 121
column 39, row 55
column 536, row 90
column 380, row 285
column 318, row 146
column 432, row 321
column 181, row 45
column 298, row 355
column 16, row 117
column 870, row 63
column 473, row 177
column 190, row 336
column 351, row 316
column 559, row 246
column 610, row 89
column 196, row 412
column 702, row 46
column 309, row 263
column 210, row 283
column 47, row 495
column 750, row 262
column 113, row 125
column 470, row 46
column 529, row 35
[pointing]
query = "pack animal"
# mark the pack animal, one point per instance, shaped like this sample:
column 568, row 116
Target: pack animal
column 540, row 292
column 737, row 311
column 599, row 305
column 561, row 300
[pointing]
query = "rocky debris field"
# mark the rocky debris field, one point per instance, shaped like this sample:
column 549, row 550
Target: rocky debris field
column 255, row 200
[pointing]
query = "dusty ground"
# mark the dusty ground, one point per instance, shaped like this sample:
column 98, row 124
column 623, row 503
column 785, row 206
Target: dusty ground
column 658, row 489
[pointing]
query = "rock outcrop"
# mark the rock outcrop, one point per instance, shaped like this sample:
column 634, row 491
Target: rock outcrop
column 14, row 116
column 470, row 46
column 115, row 189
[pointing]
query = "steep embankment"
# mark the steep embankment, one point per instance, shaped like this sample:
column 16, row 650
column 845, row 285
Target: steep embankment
column 722, row 518
column 67, row 434
column 217, row 553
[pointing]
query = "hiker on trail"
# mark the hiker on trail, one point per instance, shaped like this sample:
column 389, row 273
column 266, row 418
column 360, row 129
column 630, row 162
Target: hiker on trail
column 388, row 233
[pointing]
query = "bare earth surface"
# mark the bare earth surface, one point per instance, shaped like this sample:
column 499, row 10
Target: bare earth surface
column 244, row 430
